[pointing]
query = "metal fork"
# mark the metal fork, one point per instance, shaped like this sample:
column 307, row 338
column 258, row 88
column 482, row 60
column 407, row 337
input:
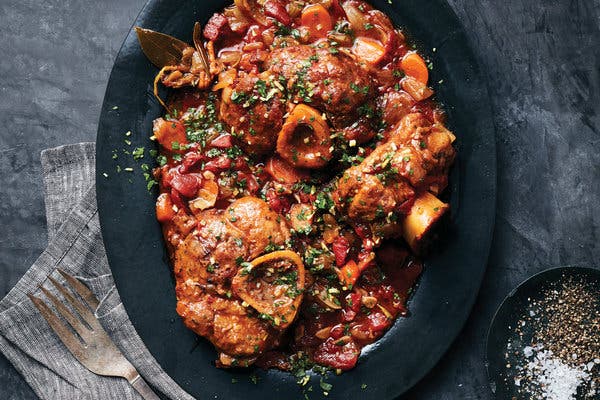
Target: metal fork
column 91, row 345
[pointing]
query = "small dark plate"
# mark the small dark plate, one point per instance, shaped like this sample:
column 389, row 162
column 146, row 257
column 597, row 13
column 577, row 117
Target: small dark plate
column 452, row 277
column 514, row 306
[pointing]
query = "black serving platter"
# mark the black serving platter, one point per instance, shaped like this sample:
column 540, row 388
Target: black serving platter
column 452, row 277
column 500, row 361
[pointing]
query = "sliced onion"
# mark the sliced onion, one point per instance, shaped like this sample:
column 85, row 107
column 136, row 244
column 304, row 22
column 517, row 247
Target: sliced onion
column 323, row 333
column 226, row 79
column 356, row 18
column 251, row 9
column 418, row 90
column 294, row 8
column 207, row 197
column 229, row 57
column 236, row 19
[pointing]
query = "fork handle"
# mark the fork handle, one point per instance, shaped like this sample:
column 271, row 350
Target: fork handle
column 143, row 389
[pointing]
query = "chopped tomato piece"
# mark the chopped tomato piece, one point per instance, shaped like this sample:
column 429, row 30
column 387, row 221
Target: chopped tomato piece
column 336, row 353
column 369, row 50
column 216, row 26
column 353, row 301
column 337, row 331
column 413, row 65
column 218, row 164
column 279, row 204
column 170, row 134
column 191, row 161
column 317, row 20
column 164, row 208
column 274, row 9
column 187, row 185
column 378, row 322
column 341, row 247
column 248, row 182
column 222, row 142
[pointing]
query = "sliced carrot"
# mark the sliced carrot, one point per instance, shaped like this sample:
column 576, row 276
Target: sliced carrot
column 351, row 271
column 164, row 208
column 413, row 65
column 369, row 50
column 317, row 20
column 283, row 171
column 170, row 134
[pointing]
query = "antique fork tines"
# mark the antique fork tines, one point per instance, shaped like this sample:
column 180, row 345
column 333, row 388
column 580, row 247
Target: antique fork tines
column 86, row 339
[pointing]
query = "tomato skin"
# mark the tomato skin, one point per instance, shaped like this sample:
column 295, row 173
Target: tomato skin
column 378, row 322
column 176, row 198
column 341, row 247
column 275, row 9
column 337, row 331
column 279, row 204
column 191, row 161
column 218, row 164
column 222, row 142
column 333, row 355
column 187, row 185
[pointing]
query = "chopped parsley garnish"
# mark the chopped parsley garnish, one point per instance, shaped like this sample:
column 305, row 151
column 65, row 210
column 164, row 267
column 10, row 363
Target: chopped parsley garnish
column 324, row 201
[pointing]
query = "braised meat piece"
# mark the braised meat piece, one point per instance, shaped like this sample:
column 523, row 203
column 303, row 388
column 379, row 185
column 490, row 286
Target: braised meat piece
column 330, row 81
column 205, row 263
column 394, row 105
column 261, row 227
column 254, row 107
column 416, row 155
column 208, row 255
column 238, row 335
column 431, row 139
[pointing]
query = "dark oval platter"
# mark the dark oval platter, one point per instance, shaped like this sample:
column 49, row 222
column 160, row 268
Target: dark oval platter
column 447, row 289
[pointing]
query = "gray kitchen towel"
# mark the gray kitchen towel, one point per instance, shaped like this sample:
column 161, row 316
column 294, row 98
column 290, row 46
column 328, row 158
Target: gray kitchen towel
column 75, row 245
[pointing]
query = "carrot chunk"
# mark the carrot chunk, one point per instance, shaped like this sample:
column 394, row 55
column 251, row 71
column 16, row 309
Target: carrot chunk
column 284, row 172
column 164, row 208
column 349, row 273
column 170, row 134
column 413, row 65
column 317, row 20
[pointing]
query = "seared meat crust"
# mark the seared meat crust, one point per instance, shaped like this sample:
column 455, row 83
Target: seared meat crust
column 206, row 261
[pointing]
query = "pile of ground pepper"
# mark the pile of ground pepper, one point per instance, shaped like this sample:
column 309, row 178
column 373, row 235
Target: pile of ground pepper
column 556, row 352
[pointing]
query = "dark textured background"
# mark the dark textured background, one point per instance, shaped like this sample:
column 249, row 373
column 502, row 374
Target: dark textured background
column 542, row 62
